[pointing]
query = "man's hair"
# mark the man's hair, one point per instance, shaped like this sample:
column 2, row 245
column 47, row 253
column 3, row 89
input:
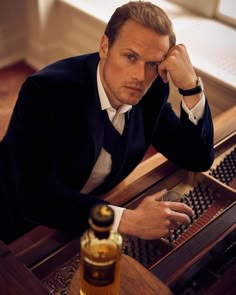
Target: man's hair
column 144, row 13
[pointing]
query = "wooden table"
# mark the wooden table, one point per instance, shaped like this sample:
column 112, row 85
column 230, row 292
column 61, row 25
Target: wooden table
column 15, row 278
column 135, row 279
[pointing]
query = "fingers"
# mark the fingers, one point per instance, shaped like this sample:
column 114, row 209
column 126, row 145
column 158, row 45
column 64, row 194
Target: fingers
column 173, row 225
column 163, row 73
column 181, row 218
column 180, row 213
column 170, row 61
column 154, row 218
column 158, row 196
column 181, row 207
column 163, row 70
column 177, row 65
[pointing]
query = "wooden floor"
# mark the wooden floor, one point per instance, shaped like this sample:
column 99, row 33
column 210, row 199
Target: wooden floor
column 11, row 79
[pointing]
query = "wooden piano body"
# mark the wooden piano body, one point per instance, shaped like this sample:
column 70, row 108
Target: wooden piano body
column 179, row 259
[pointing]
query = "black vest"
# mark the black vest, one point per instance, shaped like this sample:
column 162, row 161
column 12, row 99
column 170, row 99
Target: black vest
column 126, row 150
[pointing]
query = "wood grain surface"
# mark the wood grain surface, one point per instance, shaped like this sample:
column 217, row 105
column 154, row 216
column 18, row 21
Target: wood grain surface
column 135, row 279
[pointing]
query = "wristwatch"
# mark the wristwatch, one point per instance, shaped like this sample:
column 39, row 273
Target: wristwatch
column 198, row 89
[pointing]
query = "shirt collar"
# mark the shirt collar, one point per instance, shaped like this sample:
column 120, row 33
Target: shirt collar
column 105, row 103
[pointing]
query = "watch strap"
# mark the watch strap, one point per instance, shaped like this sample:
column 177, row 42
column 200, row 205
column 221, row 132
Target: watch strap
column 195, row 90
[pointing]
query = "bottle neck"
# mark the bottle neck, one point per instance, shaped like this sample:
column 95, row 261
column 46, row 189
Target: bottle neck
column 101, row 234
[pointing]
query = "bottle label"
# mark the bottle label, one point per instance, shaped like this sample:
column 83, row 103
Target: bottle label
column 99, row 275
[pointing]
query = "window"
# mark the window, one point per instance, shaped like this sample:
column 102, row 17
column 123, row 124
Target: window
column 223, row 10
column 226, row 11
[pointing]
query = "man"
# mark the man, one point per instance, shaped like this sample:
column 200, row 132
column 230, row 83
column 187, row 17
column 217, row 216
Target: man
column 82, row 124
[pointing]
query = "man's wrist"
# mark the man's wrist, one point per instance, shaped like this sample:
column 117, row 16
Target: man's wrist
column 193, row 91
column 126, row 225
column 192, row 100
column 195, row 113
column 118, row 215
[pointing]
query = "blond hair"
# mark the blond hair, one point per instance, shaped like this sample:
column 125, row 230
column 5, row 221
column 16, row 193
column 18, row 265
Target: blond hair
column 144, row 13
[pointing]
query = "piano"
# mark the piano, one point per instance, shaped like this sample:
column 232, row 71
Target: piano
column 194, row 259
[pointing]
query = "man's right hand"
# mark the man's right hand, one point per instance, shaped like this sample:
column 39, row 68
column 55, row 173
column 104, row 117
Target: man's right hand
column 153, row 219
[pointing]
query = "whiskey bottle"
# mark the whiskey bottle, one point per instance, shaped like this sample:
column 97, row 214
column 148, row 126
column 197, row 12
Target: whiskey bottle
column 100, row 254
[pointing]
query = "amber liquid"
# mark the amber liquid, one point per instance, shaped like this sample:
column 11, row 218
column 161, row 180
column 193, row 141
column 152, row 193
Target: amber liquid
column 100, row 265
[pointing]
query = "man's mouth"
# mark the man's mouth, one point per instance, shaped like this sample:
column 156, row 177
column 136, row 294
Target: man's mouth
column 134, row 88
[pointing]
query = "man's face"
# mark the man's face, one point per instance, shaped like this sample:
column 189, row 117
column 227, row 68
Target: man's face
column 129, row 67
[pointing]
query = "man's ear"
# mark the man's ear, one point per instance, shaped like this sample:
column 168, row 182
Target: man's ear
column 104, row 47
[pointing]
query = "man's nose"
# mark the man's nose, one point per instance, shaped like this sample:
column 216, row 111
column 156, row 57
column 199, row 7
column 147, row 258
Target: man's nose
column 139, row 72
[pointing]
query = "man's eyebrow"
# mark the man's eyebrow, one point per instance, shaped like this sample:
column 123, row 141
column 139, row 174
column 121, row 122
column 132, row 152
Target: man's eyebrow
column 154, row 61
column 134, row 52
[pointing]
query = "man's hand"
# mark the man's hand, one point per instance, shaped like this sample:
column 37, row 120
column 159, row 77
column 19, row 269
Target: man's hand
column 178, row 66
column 153, row 219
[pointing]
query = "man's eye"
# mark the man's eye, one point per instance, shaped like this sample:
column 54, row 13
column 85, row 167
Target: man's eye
column 130, row 57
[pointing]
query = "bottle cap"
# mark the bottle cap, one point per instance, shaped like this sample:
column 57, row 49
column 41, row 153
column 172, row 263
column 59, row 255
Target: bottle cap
column 101, row 216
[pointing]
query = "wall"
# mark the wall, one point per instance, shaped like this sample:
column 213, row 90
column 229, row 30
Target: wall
column 43, row 31
column 13, row 31
column 202, row 7
column 59, row 30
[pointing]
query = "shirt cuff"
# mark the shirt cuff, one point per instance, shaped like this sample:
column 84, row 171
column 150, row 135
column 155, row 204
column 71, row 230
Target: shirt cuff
column 196, row 113
column 118, row 214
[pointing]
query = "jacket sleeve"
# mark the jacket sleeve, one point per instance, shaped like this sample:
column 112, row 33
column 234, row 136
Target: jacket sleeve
column 43, row 195
column 189, row 146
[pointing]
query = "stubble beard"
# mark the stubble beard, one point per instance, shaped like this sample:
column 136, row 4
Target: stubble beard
column 112, row 94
